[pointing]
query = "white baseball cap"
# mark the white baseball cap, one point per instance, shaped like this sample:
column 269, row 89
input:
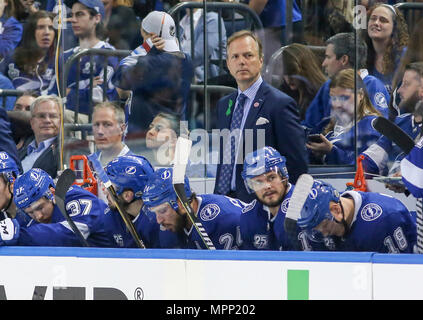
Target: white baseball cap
column 163, row 25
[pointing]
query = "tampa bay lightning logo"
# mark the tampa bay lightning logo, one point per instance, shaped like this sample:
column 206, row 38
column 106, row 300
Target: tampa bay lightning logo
column 284, row 205
column 380, row 100
column 371, row 212
column 166, row 174
column 130, row 170
column 313, row 193
column 34, row 176
column 209, row 212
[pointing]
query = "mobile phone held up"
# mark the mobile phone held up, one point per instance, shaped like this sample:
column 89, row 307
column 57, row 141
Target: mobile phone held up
column 314, row 138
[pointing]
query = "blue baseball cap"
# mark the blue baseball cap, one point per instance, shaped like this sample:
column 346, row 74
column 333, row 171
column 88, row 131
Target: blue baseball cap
column 97, row 5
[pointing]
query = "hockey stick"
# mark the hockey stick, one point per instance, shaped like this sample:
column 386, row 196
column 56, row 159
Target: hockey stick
column 182, row 151
column 296, row 202
column 394, row 133
column 63, row 184
column 108, row 184
column 406, row 143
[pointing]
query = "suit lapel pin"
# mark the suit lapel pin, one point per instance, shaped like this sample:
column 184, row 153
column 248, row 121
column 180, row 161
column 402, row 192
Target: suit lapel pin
column 228, row 111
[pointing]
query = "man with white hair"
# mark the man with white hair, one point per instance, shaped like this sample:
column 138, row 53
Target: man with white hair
column 41, row 149
column 158, row 73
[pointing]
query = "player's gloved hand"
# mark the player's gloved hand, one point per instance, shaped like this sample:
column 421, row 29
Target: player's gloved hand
column 9, row 232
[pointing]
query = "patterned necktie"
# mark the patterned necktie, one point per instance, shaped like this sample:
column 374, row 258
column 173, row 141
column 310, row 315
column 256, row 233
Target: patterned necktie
column 224, row 183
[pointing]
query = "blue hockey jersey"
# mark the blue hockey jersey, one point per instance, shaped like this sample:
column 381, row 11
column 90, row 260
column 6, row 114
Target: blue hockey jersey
column 147, row 229
column 43, row 83
column 10, row 34
column 343, row 151
column 220, row 218
column 99, row 63
column 381, row 224
column 318, row 113
column 260, row 230
column 412, row 170
column 84, row 208
column 159, row 81
column 385, row 154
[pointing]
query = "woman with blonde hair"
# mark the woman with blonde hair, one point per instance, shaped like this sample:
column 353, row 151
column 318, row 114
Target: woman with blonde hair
column 301, row 74
column 337, row 144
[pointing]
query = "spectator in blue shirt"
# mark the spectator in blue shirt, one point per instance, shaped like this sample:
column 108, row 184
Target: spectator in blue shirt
column 273, row 16
column 6, row 102
column 10, row 28
column 337, row 145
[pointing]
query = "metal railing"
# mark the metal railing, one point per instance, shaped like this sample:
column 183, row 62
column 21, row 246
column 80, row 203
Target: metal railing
column 5, row 93
column 412, row 11
column 76, row 58
column 235, row 17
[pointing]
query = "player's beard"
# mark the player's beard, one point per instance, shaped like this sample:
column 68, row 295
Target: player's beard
column 180, row 222
column 274, row 203
column 408, row 106
column 121, row 202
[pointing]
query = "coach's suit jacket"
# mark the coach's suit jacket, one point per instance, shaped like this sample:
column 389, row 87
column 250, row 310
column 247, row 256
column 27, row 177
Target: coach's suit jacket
column 48, row 160
column 279, row 116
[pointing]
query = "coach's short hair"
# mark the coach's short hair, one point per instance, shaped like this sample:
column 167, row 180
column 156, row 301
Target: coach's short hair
column 246, row 33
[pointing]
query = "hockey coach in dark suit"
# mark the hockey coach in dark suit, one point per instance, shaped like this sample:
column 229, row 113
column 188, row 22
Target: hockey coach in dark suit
column 255, row 105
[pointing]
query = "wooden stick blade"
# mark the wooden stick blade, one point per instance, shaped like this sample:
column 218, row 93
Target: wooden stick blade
column 299, row 196
column 182, row 151
column 64, row 182
column 296, row 202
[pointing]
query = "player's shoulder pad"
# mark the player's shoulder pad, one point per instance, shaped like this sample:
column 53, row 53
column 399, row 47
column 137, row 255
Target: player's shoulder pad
column 250, row 206
column 209, row 211
column 371, row 211
column 76, row 192
column 402, row 117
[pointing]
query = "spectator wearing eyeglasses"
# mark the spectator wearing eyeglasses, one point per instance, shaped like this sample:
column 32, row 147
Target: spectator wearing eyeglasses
column 336, row 145
column 41, row 149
